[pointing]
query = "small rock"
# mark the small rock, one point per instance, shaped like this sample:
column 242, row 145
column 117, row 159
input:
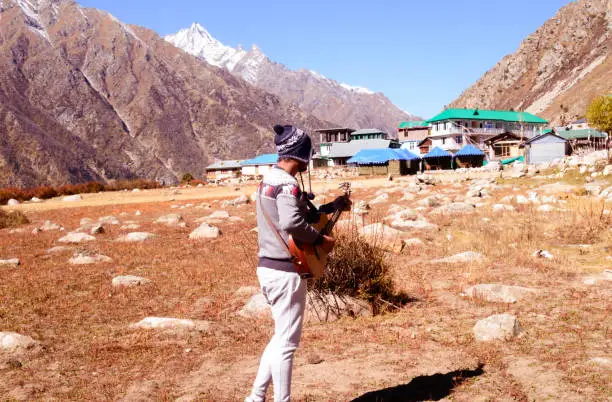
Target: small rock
column 129, row 281
column 130, row 226
column 59, row 249
column 314, row 358
column 256, row 307
column 72, row 198
column 12, row 262
column 380, row 199
column 109, row 220
column 97, row 229
column 455, row 208
column 467, row 256
column 542, row 254
column 74, row 237
column 246, row 291
column 12, row 341
column 205, row 231
column 219, row 215
column 241, row 200
column 546, row 208
column 170, row 220
column 503, row 208
column 172, row 324
column 48, row 226
column 414, row 242
column 521, row 199
column 497, row 327
column 12, row 202
column 138, row 213
column 499, row 293
column 84, row 258
column 36, row 200
column 136, row 237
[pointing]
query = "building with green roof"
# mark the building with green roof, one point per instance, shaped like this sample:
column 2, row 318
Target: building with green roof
column 410, row 133
column 453, row 128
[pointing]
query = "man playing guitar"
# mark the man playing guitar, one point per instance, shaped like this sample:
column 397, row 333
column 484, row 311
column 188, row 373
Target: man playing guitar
column 283, row 210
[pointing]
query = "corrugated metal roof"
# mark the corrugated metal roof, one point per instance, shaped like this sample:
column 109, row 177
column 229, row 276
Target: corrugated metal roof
column 348, row 149
column 368, row 131
column 584, row 133
column 438, row 152
column 265, row 159
column 469, row 150
column 381, row 156
column 475, row 114
column 540, row 137
column 233, row 164
column 414, row 124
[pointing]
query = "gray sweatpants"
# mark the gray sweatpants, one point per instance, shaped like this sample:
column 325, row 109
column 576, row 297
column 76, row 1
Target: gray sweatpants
column 286, row 294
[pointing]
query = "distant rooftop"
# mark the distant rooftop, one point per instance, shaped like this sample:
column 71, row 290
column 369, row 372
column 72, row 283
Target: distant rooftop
column 584, row 133
column 476, row 114
column 368, row 131
column 265, row 159
column 413, row 124
column 225, row 165
column 348, row 149
column 335, row 130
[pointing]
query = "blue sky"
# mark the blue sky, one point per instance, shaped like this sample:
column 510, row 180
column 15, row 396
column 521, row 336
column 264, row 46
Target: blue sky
column 421, row 54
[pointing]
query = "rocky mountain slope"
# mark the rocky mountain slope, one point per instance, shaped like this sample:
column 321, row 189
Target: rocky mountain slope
column 557, row 70
column 325, row 98
column 84, row 96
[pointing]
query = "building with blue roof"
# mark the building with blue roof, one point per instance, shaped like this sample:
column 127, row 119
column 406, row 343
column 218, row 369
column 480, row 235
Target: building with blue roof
column 469, row 156
column 383, row 161
column 259, row 165
column 437, row 159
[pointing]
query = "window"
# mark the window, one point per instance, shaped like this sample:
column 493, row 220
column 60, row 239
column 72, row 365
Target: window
column 459, row 139
column 502, row 150
column 474, row 124
column 443, row 141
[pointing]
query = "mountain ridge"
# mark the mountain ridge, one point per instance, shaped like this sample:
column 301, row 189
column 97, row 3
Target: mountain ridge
column 325, row 98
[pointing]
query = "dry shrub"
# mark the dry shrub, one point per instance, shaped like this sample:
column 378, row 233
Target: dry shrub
column 12, row 219
column 358, row 268
column 586, row 222
column 46, row 192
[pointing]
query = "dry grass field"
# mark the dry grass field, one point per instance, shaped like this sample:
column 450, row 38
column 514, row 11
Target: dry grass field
column 86, row 348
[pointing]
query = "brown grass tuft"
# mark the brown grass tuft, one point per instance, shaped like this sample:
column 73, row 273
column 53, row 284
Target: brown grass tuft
column 12, row 219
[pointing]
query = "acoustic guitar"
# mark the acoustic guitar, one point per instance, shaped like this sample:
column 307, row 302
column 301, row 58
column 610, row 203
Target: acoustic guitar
column 310, row 261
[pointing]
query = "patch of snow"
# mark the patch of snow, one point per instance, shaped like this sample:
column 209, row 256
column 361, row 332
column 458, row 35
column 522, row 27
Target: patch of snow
column 32, row 18
column 360, row 90
column 317, row 75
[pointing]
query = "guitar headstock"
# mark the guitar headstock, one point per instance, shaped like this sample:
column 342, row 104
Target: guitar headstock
column 346, row 187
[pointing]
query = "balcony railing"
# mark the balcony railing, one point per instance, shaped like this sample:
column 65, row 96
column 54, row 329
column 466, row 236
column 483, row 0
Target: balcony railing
column 489, row 131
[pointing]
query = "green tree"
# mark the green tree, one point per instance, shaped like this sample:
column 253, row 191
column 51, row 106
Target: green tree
column 599, row 113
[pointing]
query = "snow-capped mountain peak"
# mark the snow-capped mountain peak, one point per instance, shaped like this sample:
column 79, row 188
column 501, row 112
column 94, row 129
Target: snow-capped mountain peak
column 326, row 98
column 196, row 40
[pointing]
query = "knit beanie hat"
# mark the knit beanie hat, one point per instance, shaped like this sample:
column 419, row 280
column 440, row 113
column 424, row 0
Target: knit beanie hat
column 291, row 142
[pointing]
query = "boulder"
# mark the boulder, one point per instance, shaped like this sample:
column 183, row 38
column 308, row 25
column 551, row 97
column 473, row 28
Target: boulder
column 84, row 258
column 136, row 237
column 172, row 324
column 219, row 215
column 72, row 198
column 11, row 262
column 12, row 342
column 497, row 327
column 383, row 236
column 205, row 231
column 129, row 281
column 499, row 293
column 246, row 291
column 467, row 256
column 431, row 202
column 521, row 199
column 35, row 200
column 542, row 254
column 12, row 202
column 413, row 242
column 130, row 226
column 74, row 237
column 607, row 170
column 59, row 249
column 380, row 199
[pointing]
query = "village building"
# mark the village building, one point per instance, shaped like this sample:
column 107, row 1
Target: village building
column 369, row 134
column 340, row 152
column 468, row 157
column 385, row 161
column 503, row 146
column 259, row 165
column 223, row 170
column 544, row 148
column 410, row 133
column 454, row 128
column 423, row 146
column 579, row 139
column 437, row 159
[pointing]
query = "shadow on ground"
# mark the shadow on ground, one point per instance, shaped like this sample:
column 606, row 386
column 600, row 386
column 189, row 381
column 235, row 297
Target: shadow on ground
column 422, row 388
